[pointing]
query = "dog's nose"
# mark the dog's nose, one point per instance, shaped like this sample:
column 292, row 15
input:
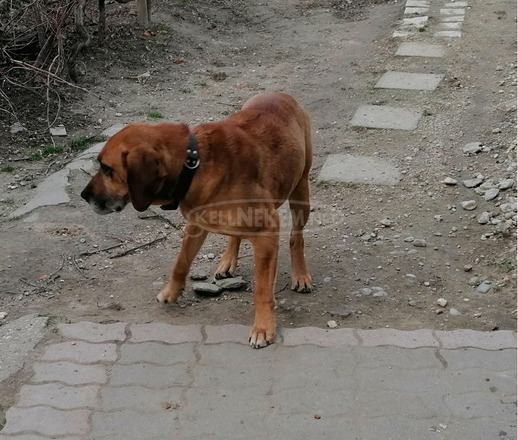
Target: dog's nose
column 86, row 193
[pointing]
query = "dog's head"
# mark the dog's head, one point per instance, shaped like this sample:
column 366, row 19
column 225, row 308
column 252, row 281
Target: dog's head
column 136, row 165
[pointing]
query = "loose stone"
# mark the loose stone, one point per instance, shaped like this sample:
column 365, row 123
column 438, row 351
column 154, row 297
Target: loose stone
column 449, row 181
column 199, row 276
column 506, row 184
column 231, row 283
column 454, row 312
column 469, row 205
column 468, row 268
column 483, row 218
column 483, row 287
column 472, row 183
column 420, row 242
column 207, row 289
column 491, row 194
column 332, row 324
column 472, row 148
column 442, row 302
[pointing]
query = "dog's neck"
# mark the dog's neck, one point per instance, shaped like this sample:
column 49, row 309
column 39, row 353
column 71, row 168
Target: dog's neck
column 186, row 175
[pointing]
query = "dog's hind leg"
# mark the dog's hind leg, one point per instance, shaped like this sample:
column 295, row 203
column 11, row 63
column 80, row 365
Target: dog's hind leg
column 299, row 207
column 228, row 264
column 193, row 238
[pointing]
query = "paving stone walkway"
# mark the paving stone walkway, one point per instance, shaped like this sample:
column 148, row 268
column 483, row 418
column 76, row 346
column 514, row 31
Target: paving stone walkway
column 158, row 381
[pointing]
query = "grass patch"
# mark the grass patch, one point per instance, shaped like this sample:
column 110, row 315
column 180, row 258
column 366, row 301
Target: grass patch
column 49, row 151
column 506, row 265
column 79, row 144
column 186, row 90
column 155, row 115
column 36, row 156
column 7, row 169
column 202, row 84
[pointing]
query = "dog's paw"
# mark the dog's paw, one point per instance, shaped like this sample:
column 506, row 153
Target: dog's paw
column 261, row 337
column 165, row 296
column 301, row 284
column 223, row 275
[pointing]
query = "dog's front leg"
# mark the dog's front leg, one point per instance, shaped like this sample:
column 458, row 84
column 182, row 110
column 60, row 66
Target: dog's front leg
column 266, row 248
column 193, row 238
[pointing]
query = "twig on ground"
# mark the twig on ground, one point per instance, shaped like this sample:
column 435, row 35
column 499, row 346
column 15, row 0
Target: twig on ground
column 129, row 251
column 78, row 268
column 97, row 251
column 50, row 278
column 280, row 290
column 161, row 217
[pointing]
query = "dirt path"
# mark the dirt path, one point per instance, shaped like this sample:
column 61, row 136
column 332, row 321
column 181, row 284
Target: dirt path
column 201, row 63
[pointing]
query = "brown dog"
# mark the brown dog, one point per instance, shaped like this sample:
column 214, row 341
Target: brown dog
column 237, row 173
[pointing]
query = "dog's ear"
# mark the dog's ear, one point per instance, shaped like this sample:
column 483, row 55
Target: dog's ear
column 146, row 177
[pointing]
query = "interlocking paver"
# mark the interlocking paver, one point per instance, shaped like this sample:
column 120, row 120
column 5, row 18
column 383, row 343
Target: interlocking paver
column 226, row 333
column 156, row 353
column 47, row 421
column 149, row 375
column 68, row 373
column 82, row 352
column 303, row 385
column 129, row 425
column 170, row 334
column 94, row 332
column 58, row 395
column 139, row 398
column 471, row 338
column 407, row 339
column 321, row 337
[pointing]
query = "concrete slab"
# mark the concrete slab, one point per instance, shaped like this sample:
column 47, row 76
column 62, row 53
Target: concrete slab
column 410, row 49
column 17, row 340
column 410, row 11
column 359, row 169
column 455, row 5
column 451, row 26
column 380, row 116
column 417, row 4
column 49, row 192
column 409, row 81
column 416, row 22
column 448, row 34
column 452, row 11
column 110, row 131
column 452, row 18
column 401, row 33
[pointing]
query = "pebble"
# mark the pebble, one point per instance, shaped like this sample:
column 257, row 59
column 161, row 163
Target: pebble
column 468, row 268
column 472, row 183
column 483, row 218
column 506, row 184
column 3, row 315
column 420, row 242
column 386, row 222
column 472, row 148
column 449, row 181
column 454, row 312
column 207, row 289
column 332, row 324
column 231, row 283
column 17, row 128
column 199, row 276
column 484, row 287
column 469, row 205
column 327, row 279
column 366, row 291
column 491, row 194
column 442, row 302
column 409, row 239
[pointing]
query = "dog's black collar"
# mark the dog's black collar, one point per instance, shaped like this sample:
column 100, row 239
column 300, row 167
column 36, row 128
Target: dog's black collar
column 192, row 162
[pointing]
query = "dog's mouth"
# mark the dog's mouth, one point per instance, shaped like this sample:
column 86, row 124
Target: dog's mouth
column 104, row 207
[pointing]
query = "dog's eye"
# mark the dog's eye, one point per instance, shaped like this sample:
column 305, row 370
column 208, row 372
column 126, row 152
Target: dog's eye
column 106, row 169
